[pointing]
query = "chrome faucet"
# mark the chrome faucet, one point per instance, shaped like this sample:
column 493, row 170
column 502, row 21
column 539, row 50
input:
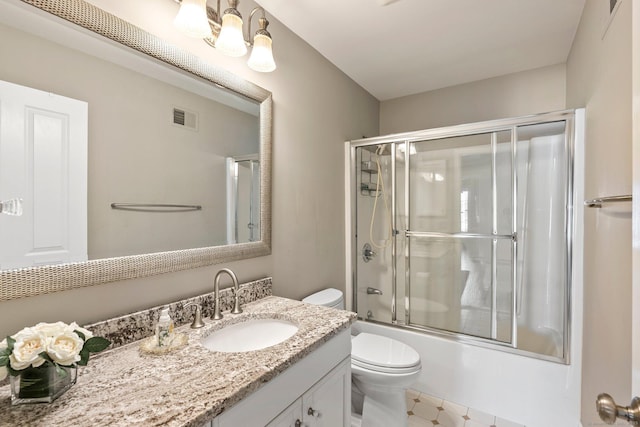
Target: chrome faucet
column 216, row 294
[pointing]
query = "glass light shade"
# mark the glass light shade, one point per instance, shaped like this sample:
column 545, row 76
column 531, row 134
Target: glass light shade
column 261, row 58
column 231, row 41
column 192, row 19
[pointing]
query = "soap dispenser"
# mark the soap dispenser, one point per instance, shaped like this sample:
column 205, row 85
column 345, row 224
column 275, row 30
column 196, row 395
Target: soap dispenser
column 164, row 329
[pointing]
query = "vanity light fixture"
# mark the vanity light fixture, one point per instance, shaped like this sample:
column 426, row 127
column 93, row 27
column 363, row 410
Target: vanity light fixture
column 225, row 32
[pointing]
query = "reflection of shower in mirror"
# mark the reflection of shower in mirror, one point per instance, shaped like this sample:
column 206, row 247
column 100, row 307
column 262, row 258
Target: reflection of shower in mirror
column 243, row 199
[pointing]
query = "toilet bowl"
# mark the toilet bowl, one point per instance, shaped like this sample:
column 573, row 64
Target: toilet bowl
column 381, row 370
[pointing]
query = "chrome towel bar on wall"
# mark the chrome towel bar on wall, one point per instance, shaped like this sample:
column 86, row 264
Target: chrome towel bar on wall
column 597, row 203
column 155, row 207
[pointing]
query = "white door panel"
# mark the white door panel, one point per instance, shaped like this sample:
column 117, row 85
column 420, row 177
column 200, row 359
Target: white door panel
column 43, row 160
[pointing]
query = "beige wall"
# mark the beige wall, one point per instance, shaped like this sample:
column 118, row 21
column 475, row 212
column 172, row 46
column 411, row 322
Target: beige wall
column 599, row 78
column 528, row 92
column 316, row 108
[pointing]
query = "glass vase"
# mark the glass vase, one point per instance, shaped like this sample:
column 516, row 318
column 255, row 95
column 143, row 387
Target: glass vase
column 43, row 384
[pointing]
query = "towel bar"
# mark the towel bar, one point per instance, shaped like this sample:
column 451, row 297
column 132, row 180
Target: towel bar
column 155, row 207
column 597, row 203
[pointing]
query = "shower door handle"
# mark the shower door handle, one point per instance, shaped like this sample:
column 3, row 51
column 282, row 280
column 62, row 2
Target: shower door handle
column 609, row 412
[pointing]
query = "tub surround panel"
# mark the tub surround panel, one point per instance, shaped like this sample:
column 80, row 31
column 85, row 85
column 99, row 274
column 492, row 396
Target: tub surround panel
column 124, row 386
column 135, row 326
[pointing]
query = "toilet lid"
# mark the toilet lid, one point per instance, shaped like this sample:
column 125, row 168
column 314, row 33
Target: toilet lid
column 383, row 352
column 327, row 297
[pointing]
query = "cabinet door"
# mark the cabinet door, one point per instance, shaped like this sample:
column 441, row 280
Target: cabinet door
column 327, row 403
column 290, row 417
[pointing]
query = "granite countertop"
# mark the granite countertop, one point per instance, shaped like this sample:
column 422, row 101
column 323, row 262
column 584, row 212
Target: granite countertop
column 187, row 387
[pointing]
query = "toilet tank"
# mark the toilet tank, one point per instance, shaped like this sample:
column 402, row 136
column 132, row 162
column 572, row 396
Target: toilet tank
column 330, row 297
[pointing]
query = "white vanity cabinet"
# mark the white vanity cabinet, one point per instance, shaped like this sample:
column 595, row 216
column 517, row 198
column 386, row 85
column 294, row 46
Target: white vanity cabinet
column 326, row 404
column 315, row 391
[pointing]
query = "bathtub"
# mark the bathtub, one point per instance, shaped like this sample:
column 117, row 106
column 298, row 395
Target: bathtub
column 533, row 392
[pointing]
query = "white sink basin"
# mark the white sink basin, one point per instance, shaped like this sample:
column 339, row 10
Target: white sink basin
column 249, row 335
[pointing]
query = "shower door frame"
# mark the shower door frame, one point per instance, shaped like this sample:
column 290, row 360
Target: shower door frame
column 486, row 127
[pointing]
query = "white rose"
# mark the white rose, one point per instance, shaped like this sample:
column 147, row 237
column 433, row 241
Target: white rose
column 65, row 348
column 51, row 329
column 29, row 344
column 87, row 333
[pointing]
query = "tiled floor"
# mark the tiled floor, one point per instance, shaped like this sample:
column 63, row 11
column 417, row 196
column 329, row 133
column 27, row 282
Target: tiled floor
column 429, row 411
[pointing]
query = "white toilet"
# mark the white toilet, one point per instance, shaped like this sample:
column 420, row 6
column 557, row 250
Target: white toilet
column 381, row 370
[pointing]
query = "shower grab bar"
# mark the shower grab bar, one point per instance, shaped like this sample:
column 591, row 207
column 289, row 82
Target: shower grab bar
column 597, row 203
column 155, row 207
column 409, row 233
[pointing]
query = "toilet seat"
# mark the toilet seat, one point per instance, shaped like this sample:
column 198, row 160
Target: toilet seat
column 382, row 354
column 383, row 370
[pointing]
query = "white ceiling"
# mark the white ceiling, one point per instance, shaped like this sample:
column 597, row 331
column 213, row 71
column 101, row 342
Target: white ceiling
column 413, row 46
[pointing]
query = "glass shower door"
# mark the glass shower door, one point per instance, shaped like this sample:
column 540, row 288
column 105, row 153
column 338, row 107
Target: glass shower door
column 467, row 232
column 458, row 235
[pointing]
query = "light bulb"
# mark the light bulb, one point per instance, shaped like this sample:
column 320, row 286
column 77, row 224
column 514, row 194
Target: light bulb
column 192, row 19
column 261, row 58
column 231, row 41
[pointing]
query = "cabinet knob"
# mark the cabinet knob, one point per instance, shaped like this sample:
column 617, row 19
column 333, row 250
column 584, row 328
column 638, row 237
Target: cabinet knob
column 313, row 412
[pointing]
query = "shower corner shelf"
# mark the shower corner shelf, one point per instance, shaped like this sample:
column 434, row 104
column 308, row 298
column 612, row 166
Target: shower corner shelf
column 367, row 186
column 367, row 190
column 368, row 168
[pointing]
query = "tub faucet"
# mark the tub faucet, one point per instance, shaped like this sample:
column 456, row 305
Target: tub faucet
column 216, row 294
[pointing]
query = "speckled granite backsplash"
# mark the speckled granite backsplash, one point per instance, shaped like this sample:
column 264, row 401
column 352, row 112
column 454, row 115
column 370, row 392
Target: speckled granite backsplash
column 133, row 327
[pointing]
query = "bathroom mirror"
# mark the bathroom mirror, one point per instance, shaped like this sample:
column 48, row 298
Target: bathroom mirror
column 175, row 171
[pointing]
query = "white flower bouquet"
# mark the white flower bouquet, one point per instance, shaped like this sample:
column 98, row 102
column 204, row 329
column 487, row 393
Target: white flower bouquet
column 45, row 351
